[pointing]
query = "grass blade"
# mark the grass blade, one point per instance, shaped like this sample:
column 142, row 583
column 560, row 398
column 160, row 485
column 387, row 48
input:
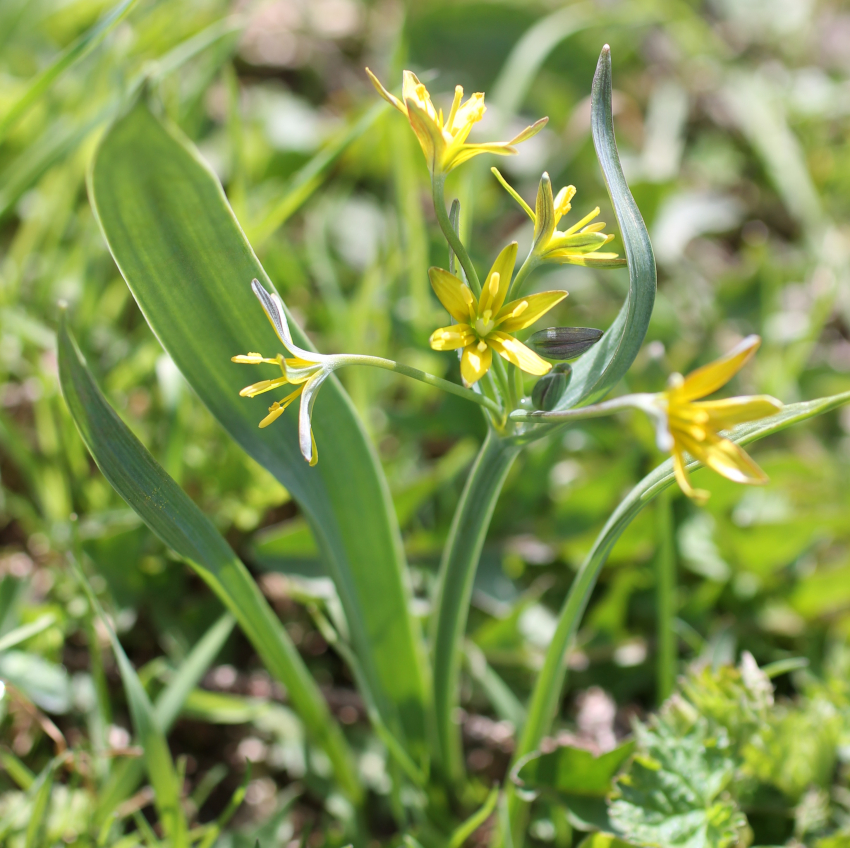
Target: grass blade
column 127, row 774
column 598, row 370
column 171, row 514
column 158, row 762
column 189, row 266
column 71, row 54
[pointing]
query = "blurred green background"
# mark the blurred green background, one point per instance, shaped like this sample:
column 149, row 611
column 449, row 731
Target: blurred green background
column 732, row 120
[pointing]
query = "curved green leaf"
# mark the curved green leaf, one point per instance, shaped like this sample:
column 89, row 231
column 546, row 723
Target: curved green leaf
column 598, row 370
column 189, row 266
column 171, row 514
column 550, row 682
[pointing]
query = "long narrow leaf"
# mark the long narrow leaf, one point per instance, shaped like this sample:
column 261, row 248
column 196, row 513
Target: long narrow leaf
column 189, row 266
column 171, row 514
column 598, row 370
column 158, row 761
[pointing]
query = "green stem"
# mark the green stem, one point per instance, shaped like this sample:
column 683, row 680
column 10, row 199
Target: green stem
column 597, row 410
column 531, row 262
column 454, row 590
column 438, row 187
column 424, row 377
column 665, row 588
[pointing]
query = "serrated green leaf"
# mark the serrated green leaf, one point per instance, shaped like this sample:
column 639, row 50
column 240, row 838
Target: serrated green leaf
column 171, row 514
column 601, row 367
column 178, row 245
column 573, row 771
column 670, row 797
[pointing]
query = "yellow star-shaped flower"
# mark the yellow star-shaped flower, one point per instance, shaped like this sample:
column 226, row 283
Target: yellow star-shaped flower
column 694, row 426
column 484, row 324
column 443, row 140
column 577, row 245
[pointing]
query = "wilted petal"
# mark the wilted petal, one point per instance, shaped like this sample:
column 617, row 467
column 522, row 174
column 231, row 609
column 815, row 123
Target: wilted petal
column 305, row 417
column 708, row 379
column 522, row 313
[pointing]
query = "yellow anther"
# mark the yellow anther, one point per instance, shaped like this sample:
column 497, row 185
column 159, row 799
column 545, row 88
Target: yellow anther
column 494, row 283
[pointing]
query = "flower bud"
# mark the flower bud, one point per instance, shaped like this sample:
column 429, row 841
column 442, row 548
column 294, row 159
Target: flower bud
column 550, row 387
column 563, row 342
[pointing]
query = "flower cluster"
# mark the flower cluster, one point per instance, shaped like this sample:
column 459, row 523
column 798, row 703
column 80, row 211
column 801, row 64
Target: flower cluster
column 484, row 320
column 444, row 139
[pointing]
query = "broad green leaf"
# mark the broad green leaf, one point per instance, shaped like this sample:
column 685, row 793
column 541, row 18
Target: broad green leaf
column 170, row 513
column 187, row 263
column 550, row 681
column 577, row 778
column 601, row 367
column 670, row 797
column 158, row 762
column 573, row 771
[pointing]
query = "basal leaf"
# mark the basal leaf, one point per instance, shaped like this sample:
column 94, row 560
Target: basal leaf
column 189, row 266
column 171, row 514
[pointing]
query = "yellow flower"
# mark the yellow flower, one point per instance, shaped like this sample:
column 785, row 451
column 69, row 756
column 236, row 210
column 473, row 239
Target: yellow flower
column 695, row 428
column 305, row 370
column 578, row 245
column 484, row 323
column 443, row 140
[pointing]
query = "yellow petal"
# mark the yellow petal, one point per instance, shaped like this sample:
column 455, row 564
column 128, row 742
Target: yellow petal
column 517, row 353
column 683, row 478
column 263, row 386
column 586, row 220
column 544, row 214
column 583, row 242
column 251, row 359
column 460, row 154
column 390, row 98
column 708, row 379
column 528, row 132
column 455, row 296
column 451, row 338
column 277, row 408
column 475, row 362
column 522, row 313
column 723, row 414
column 429, row 134
column 513, row 193
column 493, row 297
column 724, row 457
column 591, row 260
column 413, row 90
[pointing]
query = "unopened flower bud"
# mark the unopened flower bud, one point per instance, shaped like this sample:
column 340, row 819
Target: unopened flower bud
column 563, row 342
column 550, row 387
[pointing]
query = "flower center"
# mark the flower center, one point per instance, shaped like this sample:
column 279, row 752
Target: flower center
column 484, row 324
